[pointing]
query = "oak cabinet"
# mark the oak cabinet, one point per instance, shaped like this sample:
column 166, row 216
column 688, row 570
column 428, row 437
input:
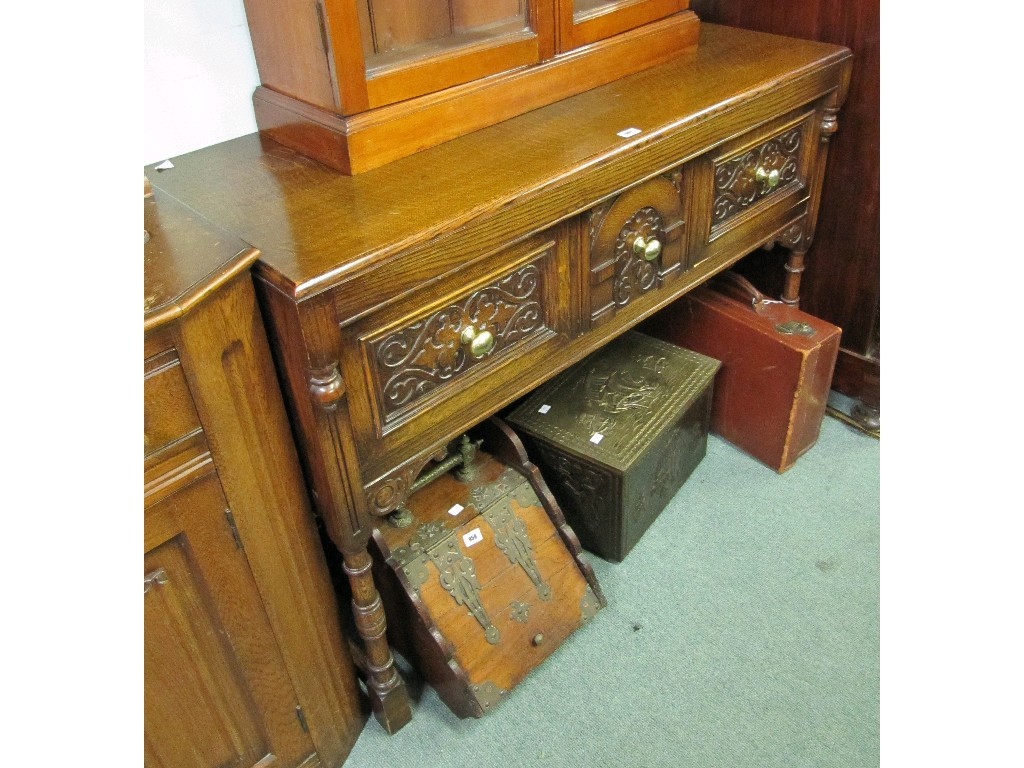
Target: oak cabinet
column 245, row 663
column 359, row 83
column 205, row 629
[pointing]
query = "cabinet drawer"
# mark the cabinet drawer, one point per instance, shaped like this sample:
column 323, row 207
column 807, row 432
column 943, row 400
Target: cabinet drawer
column 635, row 244
column 749, row 187
column 419, row 361
column 169, row 413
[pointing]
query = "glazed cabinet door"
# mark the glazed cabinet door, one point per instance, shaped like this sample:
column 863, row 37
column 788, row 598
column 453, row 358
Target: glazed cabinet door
column 205, row 633
column 582, row 22
column 414, row 47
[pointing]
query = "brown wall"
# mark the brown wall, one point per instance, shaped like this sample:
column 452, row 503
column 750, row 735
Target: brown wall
column 841, row 282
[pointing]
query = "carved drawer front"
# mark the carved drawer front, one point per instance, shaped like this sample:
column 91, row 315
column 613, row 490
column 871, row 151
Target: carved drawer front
column 749, row 187
column 635, row 244
column 169, row 413
column 426, row 348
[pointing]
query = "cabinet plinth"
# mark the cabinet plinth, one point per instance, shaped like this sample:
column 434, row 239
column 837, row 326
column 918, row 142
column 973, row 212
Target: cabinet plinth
column 356, row 84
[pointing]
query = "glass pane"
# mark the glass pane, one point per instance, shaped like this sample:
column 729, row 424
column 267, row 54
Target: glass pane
column 584, row 8
column 397, row 30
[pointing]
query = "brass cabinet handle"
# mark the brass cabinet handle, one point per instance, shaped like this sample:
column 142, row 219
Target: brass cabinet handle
column 480, row 343
column 648, row 250
column 771, row 177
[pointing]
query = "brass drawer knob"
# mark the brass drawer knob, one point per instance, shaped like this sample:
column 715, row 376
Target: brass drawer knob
column 770, row 177
column 480, row 343
column 538, row 639
column 648, row 250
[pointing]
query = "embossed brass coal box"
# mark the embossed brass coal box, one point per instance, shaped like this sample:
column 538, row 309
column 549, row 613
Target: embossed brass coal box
column 616, row 435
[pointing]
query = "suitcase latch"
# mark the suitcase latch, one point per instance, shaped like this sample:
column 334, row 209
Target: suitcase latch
column 794, row 328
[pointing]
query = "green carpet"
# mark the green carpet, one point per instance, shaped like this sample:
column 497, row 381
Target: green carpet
column 741, row 632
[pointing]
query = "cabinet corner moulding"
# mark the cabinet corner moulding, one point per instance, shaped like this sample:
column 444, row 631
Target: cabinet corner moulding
column 355, row 86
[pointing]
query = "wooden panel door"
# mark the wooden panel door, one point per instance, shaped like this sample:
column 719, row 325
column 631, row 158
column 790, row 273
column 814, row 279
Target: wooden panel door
column 206, row 634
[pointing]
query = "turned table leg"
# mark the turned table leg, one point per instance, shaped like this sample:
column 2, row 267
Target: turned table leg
column 794, row 269
column 388, row 695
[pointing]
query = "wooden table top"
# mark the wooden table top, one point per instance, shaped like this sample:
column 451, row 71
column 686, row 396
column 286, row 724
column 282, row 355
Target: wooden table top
column 314, row 225
column 187, row 257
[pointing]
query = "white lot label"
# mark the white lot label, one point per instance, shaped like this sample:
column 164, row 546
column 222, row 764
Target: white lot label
column 544, row 409
column 628, row 132
column 455, row 510
column 596, row 438
column 473, row 537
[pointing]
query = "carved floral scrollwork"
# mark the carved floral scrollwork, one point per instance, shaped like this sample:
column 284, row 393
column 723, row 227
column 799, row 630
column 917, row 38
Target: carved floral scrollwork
column 415, row 360
column 633, row 274
column 597, row 214
column 737, row 185
column 385, row 495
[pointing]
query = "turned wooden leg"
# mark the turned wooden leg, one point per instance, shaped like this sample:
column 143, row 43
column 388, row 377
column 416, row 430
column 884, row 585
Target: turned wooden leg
column 794, row 268
column 388, row 695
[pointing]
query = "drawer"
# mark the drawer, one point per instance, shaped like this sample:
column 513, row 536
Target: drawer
column 417, row 363
column 749, row 187
column 169, row 413
column 635, row 244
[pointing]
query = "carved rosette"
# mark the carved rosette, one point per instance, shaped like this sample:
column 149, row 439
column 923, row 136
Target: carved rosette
column 386, row 497
column 386, row 494
column 634, row 275
column 795, row 237
column 736, row 181
column 415, row 360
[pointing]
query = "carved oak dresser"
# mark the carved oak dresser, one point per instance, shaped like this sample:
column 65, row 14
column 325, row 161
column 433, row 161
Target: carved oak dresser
column 410, row 302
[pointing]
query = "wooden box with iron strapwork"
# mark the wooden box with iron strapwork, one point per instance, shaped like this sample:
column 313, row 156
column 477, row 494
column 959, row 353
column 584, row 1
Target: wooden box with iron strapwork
column 480, row 576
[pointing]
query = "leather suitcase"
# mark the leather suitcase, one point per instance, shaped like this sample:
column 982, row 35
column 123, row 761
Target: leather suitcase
column 484, row 579
column 618, row 434
column 777, row 365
